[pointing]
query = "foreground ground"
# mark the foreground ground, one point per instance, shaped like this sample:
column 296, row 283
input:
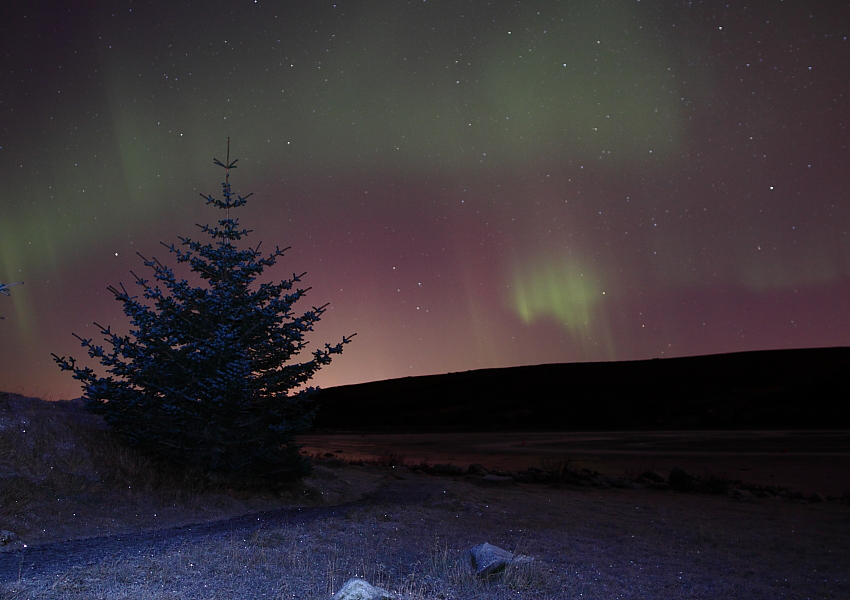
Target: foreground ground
column 409, row 532
column 140, row 535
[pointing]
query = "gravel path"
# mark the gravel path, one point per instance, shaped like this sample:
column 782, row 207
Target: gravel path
column 57, row 557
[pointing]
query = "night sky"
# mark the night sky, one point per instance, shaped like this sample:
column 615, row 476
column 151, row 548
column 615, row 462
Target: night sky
column 469, row 184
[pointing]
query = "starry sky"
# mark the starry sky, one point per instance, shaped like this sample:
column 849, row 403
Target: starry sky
column 469, row 184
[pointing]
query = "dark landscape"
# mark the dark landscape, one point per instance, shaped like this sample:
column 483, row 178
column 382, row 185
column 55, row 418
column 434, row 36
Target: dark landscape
column 756, row 510
column 769, row 389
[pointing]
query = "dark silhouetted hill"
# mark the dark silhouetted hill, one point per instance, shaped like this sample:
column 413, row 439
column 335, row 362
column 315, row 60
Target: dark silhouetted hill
column 771, row 389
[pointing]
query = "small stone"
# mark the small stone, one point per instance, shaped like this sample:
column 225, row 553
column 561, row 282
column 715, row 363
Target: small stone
column 360, row 589
column 653, row 476
column 740, row 494
column 488, row 559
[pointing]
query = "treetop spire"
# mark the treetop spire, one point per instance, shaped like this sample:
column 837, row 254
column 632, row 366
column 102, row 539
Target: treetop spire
column 229, row 165
column 228, row 201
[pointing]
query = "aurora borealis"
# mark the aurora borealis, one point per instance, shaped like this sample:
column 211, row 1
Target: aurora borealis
column 469, row 184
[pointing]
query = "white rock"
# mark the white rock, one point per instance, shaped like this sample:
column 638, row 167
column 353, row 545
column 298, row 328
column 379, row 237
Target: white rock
column 360, row 589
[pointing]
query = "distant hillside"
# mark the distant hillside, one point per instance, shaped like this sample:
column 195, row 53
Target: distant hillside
column 771, row 389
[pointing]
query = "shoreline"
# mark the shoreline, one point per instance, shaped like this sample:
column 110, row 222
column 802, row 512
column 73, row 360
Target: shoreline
column 808, row 461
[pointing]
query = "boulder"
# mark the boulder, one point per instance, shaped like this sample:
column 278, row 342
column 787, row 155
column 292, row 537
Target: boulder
column 682, row 480
column 360, row 589
column 488, row 559
column 476, row 469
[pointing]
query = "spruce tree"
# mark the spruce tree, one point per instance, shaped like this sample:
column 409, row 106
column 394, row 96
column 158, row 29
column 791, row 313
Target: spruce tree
column 204, row 377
